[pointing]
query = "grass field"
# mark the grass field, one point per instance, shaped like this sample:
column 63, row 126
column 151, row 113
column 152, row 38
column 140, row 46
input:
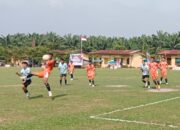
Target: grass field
column 73, row 105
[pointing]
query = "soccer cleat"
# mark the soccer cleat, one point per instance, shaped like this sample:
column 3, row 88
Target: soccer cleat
column 166, row 83
column 27, row 95
column 160, row 82
column 90, row 84
column 149, row 87
column 93, row 85
column 50, row 94
column 146, row 84
column 158, row 87
column 72, row 79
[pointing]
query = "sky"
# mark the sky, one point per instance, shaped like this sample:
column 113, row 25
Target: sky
column 126, row 18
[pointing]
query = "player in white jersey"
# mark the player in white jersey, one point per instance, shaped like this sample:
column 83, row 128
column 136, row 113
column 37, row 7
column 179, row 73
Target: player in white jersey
column 24, row 75
column 145, row 73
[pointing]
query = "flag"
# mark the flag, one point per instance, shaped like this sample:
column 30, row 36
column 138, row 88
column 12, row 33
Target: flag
column 83, row 38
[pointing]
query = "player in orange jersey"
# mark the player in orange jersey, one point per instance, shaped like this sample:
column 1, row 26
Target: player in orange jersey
column 71, row 69
column 48, row 67
column 91, row 73
column 163, row 67
column 153, row 66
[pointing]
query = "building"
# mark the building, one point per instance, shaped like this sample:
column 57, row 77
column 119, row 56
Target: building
column 173, row 57
column 127, row 58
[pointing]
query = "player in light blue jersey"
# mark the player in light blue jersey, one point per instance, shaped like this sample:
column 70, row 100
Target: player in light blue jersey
column 145, row 73
column 63, row 67
column 26, row 79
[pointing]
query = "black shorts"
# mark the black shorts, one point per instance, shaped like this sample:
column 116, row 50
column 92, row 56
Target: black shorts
column 63, row 75
column 145, row 76
column 27, row 83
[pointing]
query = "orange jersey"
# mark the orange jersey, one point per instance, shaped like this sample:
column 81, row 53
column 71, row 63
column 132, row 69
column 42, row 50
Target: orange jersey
column 49, row 65
column 153, row 66
column 71, row 68
column 90, row 71
column 163, row 67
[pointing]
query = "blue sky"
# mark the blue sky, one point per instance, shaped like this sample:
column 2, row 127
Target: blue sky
column 90, row 17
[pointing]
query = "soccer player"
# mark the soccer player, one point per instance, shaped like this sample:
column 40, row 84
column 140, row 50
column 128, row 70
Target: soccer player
column 145, row 73
column 153, row 66
column 90, row 73
column 26, row 80
column 71, row 70
column 48, row 67
column 163, row 67
column 63, row 67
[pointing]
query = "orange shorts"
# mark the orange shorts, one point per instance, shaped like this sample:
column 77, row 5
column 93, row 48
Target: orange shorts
column 43, row 74
column 164, row 73
column 90, row 76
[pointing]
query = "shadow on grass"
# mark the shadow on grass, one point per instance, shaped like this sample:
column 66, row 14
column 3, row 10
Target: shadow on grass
column 59, row 96
column 36, row 97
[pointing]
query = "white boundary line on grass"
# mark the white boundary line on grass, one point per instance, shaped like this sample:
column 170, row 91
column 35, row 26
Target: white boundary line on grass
column 134, row 107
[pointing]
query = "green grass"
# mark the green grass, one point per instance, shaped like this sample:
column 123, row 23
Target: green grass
column 72, row 106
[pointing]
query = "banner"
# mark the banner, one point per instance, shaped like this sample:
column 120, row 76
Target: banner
column 77, row 59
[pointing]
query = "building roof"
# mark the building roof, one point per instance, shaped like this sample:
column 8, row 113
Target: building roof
column 61, row 52
column 169, row 52
column 114, row 52
column 66, row 52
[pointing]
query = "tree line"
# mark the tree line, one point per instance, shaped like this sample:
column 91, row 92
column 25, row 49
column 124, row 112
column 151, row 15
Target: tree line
column 19, row 46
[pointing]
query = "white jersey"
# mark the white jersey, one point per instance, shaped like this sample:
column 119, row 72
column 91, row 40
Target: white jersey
column 145, row 69
column 25, row 72
column 63, row 68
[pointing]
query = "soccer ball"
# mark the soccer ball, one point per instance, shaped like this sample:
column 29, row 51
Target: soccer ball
column 46, row 57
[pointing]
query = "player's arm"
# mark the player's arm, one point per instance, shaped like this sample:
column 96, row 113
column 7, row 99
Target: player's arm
column 18, row 74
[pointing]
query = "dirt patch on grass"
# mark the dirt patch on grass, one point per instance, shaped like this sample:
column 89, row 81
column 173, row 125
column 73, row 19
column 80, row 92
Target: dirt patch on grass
column 163, row 90
column 2, row 120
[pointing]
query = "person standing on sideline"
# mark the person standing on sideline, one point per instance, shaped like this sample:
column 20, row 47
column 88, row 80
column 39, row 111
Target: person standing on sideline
column 63, row 67
column 145, row 73
column 91, row 73
column 71, row 70
column 163, row 68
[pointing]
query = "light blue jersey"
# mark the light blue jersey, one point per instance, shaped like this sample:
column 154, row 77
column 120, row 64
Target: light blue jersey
column 25, row 72
column 145, row 69
column 63, row 68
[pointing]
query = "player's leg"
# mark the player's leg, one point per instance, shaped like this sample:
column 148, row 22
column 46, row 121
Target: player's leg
column 61, row 77
column 65, row 79
column 25, row 85
column 165, row 77
column 72, row 76
column 46, row 83
column 93, row 82
column 146, row 80
column 90, row 81
column 143, row 79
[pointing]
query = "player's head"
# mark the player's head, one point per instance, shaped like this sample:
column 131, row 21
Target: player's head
column 51, row 55
column 152, row 59
column 90, row 61
column 71, row 62
column 144, row 61
column 24, row 64
column 163, row 59
column 62, row 61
